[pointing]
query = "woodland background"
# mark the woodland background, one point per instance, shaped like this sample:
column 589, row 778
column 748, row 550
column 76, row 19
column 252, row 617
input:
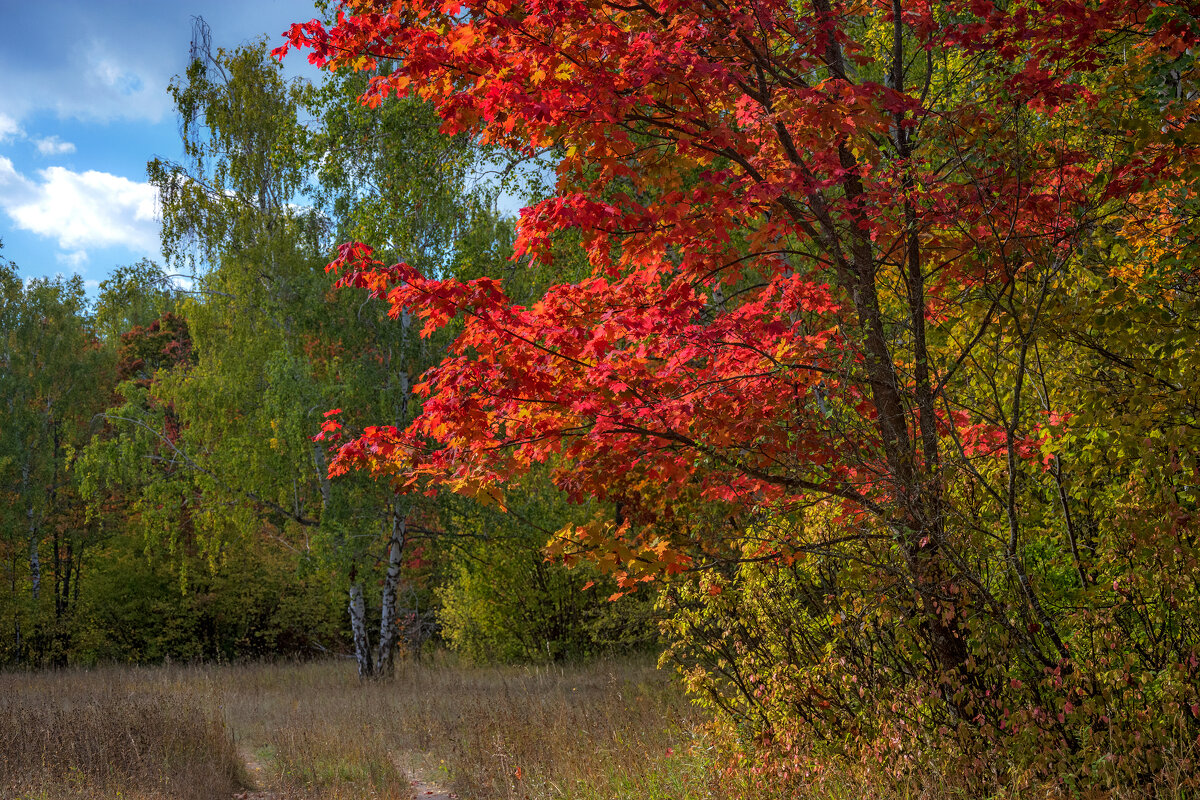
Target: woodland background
column 164, row 500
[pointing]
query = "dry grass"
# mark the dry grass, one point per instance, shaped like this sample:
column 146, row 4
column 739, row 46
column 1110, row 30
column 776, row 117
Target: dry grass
column 599, row 732
column 611, row 729
column 113, row 733
column 604, row 731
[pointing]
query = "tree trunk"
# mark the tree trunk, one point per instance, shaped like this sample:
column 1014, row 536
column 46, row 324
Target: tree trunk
column 388, row 629
column 14, row 564
column 388, row 623
column 35, row 561
column 358, row 624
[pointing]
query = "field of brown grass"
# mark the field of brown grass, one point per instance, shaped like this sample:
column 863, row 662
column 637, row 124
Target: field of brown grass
column 137, row 734
column 613, row 729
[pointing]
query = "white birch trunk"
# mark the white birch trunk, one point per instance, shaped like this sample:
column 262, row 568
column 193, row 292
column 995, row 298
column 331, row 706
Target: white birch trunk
column 358, row 625
column 388, row 630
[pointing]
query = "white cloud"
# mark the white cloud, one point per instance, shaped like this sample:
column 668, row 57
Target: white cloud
column 99, row 79
column 13, row 185
column 81, row 210
column 53, row 146
column 74, row 260
column 9, row 129
column 105, row 61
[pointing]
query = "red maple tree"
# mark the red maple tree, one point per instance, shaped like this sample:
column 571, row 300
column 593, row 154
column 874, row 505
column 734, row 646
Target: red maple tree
column 823, row 238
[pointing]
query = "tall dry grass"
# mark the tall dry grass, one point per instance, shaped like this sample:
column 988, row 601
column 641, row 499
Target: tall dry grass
column 615, row 729
column 605, row 730
column 113, row 733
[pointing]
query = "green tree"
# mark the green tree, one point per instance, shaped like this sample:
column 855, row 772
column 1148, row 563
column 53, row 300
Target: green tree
column 55, row 375
column 131, row 296
column 231, row 430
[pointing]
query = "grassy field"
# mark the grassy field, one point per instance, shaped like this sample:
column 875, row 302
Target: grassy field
column 614, row 729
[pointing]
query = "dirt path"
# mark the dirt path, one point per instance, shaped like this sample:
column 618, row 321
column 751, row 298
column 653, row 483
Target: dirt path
column 256, row 770
column 430, row 791
column 422, row 789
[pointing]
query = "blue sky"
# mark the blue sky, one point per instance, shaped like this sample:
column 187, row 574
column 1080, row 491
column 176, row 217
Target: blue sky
column 84, row 106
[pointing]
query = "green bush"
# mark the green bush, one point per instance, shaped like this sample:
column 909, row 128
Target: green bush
column 503, row 601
